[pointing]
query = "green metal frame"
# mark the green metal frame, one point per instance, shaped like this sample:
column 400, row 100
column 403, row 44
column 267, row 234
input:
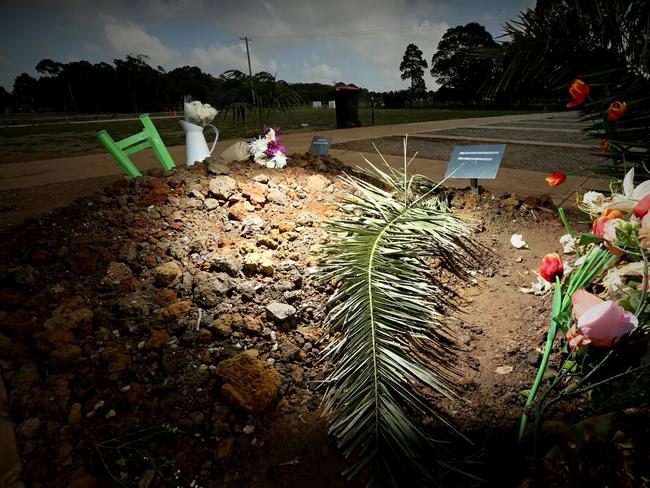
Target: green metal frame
column 147, row 138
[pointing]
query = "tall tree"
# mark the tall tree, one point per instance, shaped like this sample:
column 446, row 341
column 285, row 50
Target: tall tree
column 412, row 67
column 456, row 64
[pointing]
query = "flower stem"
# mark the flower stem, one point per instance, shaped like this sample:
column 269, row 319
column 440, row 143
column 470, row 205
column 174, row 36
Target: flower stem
column 565, row 221
column 550, row 337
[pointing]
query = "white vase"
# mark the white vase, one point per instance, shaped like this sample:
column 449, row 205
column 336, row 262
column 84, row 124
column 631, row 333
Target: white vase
column 196, row 148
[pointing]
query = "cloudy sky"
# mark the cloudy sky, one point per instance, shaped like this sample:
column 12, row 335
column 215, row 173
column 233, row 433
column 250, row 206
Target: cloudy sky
column 354, row 41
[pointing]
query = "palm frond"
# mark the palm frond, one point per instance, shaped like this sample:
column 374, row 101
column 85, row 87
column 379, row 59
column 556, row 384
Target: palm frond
column 383, row 311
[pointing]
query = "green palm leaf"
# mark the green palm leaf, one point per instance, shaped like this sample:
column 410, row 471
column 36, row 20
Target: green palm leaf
column 383, row 312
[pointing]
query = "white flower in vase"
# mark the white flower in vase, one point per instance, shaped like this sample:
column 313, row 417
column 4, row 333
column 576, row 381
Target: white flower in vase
column 199, row 113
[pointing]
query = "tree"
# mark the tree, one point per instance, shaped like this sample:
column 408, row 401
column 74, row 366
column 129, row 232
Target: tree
column 457, row 66
column 412, row 67
column 602, row 42
column 6, row 100
column 25, row 91
column 261, row 94
column 144, row 82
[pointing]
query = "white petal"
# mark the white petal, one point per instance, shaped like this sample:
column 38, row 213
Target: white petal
column 517, row 241
column 568, row 243
column 541, row 287
column 620, row 202
column 628, row 183
column 642, row 190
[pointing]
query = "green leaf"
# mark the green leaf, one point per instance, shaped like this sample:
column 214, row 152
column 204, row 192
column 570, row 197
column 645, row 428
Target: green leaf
column 589, row 238
column 387, row 308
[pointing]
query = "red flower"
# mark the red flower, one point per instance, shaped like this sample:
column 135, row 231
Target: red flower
column 551, row 266
column 616, row 111
column 603, row 146
column 599, row 224
column 579, row 91
column 555, row 179
column 642, row 207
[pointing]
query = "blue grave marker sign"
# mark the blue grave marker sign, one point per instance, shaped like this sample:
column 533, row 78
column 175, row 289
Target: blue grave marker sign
column 320, row 145
column 475, row 162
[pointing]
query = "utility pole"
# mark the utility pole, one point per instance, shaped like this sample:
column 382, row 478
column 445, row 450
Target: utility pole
column 246, row 38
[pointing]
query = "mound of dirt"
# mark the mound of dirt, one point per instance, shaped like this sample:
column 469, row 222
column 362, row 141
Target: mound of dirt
column 168, row 331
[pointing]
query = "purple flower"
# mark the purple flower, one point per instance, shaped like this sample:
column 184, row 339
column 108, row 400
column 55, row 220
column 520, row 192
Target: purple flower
column 274, row 147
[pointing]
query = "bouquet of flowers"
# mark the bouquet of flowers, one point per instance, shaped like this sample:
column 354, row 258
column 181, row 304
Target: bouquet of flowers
column 267, row 151
column 600, row 305
column 199, row 113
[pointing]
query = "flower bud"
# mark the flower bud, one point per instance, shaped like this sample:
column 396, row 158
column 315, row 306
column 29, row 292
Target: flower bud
column 616, row 111
column 555, row 179
column 551, row 266
column 578, row 91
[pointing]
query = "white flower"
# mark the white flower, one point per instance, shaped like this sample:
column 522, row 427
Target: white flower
column 613, row 280
column 280, row 160
column 631, row 194
column 258, row 146
column 518, row 241
column 199, row 113
column 541, row 287
column 568, row 243
column 593, row 199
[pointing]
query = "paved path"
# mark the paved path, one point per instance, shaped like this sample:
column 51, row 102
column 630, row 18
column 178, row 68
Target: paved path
column 522, row 182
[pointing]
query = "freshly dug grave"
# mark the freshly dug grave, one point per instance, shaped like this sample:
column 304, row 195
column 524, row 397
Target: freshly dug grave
column 168, row 331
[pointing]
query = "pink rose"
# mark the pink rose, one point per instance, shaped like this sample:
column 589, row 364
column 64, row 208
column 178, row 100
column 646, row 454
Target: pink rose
column 602, row 322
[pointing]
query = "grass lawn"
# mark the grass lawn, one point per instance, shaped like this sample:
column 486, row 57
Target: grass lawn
column 45, row 140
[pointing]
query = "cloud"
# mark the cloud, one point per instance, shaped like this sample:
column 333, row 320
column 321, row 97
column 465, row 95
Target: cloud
column 123, row 39
column 5, row 62
column 357, row 42
column 372, row 41
column 321, row 73
column 218, row 58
